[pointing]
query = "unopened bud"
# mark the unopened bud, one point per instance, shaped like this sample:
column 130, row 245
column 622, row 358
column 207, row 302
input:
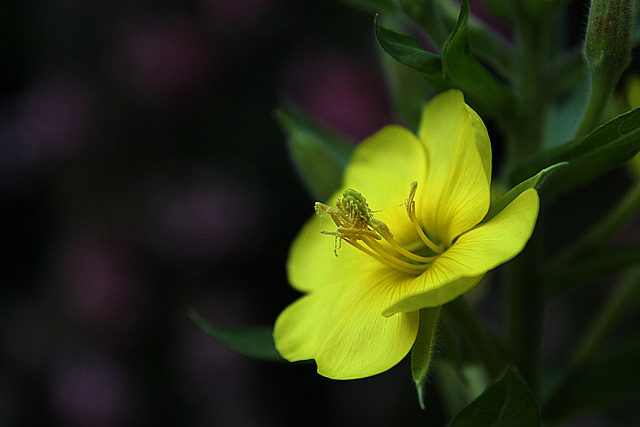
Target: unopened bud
column 608, row 52
column 608, row 44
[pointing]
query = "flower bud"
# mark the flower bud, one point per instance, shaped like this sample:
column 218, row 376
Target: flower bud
column 608, row 44
column 608, row 52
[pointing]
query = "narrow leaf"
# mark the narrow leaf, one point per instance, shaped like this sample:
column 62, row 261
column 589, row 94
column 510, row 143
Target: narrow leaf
column 489, row 46
column 535, row 181
column 253, row 342
column 463, row 71
column 422, row 349
column 409, row 90
column 319, row 156
column 406, row 50
column 610, row 145
column 507, row 402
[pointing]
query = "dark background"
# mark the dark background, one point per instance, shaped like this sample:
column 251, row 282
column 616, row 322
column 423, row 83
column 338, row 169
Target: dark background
column 142, row 175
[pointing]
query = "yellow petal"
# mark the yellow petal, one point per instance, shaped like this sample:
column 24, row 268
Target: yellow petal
column 344, row 331
column 436, row 287
column 313, row 264
column 473, row 254
column 298, row 329
column 455, row 196
column 382, row 169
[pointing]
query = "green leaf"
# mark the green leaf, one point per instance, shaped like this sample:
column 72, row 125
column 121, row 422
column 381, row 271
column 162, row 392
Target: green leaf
column 423, row 348
column 610, row 145
column 489, row 46
column 253, row 342
column 408, row 90
column 507, row 402
column 406, row 50
column 463, row 71
column 318, row 155
column 535, row 181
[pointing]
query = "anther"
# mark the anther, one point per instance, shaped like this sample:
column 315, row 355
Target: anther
column 356, row 226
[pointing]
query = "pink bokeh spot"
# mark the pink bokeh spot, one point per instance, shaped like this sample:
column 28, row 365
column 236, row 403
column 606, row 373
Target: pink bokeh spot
column 337, row 90
column 164, row 61
column 99, row 284
column 46, row 125
column 56, row 117
column 94, row 392
column 209, row 218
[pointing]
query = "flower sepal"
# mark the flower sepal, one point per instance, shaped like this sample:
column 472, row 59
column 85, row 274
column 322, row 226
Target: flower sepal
column 534, row 182
column 610, row 145
column 423, row 348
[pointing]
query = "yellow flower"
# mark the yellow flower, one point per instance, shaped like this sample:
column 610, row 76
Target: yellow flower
column 365, row 282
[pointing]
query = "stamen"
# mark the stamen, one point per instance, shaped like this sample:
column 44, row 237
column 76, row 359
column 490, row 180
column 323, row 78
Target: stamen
column 382, row 251
column 411, row 211
column 384, row 232
column 351, row 233
column 356, row 226
column 382, row 259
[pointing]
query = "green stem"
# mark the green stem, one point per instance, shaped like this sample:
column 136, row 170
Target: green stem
column 479, row 337
column 525, row 309
column 524, row 303
column 525, row 136
column 602, row 86
column 620, row 303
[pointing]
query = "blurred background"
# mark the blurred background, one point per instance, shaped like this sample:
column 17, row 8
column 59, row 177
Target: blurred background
column 142, row 174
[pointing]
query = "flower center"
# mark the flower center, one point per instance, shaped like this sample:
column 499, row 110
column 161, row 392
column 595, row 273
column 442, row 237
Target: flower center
column 357, row 226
